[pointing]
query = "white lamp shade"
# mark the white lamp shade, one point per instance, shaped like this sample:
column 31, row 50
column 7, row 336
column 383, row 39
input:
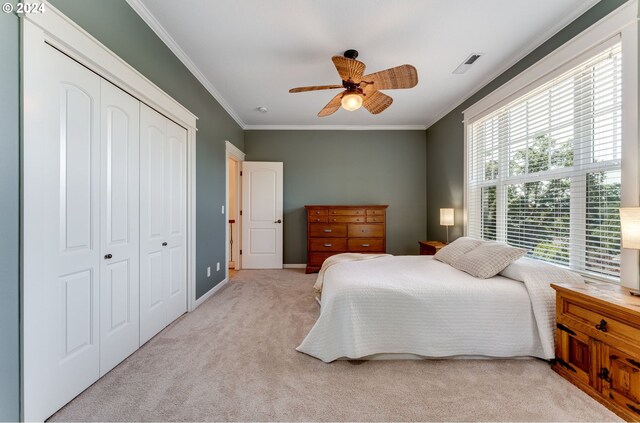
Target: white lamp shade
column 446, row 217
column 630, row 227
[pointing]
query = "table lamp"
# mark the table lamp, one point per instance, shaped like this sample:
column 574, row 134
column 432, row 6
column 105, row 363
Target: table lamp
column 630, row 231
column 446, row 219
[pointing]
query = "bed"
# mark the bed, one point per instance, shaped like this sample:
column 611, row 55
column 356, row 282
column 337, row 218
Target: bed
column 420, row 306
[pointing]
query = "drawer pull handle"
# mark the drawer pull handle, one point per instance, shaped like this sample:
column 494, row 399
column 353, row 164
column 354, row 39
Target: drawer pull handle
column 366, row 245
column 634, row 409
column 327, row 231
column 334, row 220
column 317, row 212
column 328, row 245
column 604, row 375
column 317, row 220
column 602, row 326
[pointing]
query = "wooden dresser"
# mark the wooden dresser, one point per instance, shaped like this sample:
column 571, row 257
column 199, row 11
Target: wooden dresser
column 598, row 344
column 340, row 229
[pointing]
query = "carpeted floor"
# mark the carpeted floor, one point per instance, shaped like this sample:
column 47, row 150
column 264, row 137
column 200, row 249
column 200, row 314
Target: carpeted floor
column 234, row 359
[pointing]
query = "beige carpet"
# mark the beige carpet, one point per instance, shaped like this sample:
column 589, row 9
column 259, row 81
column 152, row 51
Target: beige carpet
column 234, row 359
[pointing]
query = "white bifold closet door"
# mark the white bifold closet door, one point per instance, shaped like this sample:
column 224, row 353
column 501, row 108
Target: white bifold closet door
column 119, row 226
column 163, row 243
column 81, row 312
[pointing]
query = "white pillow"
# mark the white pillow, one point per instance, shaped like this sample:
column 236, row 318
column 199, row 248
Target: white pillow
column 456, row 249
column 520, row 268
column 488, row 258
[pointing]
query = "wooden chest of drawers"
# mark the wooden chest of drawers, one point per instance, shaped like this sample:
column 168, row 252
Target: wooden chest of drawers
column 340, row 229
column 598, row 344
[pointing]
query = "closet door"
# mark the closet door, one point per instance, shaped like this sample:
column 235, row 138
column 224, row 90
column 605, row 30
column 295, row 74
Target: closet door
column 61, row 309
column 119, row 232
column 163, row 271
column 154, row 220
column 176, row 198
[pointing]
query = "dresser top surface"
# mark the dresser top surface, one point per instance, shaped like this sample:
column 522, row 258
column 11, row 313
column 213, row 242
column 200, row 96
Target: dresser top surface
column 331, row 206
column 605, row 294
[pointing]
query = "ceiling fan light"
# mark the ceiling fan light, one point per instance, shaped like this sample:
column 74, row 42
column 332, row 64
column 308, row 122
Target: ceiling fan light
column 351, row 102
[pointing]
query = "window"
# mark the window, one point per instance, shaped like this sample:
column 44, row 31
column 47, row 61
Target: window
column 544, row 170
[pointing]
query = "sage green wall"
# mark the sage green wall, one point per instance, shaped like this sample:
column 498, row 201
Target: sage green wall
column 118, row 27
column 348, row 167
column 9, row 218
column 445, row 138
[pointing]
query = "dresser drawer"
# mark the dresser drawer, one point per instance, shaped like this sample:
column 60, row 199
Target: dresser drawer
column 316, row 259
column 376, row 212
column 329, row 230
column 346, row 212
column 375, row 219
column 598, row 324
column 366, row 231
column 374, row 245
column 318, row 219
column 346, row 219
column 327, row 244
column 318, row 212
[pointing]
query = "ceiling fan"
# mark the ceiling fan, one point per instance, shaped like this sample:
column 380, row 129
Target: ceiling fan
column 363, row 90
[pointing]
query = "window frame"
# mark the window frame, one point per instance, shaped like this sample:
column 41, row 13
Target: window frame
column 621, row 25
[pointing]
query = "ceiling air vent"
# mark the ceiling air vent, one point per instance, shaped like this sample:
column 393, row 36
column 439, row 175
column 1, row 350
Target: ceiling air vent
column 464, row 66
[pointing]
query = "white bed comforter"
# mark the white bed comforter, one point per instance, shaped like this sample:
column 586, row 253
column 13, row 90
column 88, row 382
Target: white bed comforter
column 418, row 305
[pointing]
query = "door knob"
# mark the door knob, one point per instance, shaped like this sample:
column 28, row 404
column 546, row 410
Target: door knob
column 164, row 244
column 108, row 256
column 278, row 221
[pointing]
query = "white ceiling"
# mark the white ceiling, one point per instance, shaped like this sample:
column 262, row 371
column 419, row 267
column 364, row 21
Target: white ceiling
column 248, row 53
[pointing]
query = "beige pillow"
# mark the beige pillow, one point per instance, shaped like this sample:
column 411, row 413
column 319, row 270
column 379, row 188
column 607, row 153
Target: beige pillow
column 456, row 249
column 488, row 259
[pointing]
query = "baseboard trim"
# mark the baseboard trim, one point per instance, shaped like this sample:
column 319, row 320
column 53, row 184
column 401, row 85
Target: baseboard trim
column 212, row 291
column 294, row 266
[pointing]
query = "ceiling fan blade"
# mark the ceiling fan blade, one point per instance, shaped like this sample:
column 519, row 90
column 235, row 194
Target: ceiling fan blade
column 332, row 106
column 376, row 102
column 314, row 88
column 349, row 69
column 404, row 76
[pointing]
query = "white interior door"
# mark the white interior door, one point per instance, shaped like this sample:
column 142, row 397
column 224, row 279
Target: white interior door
column 262, row 215
column 163, row 271
column 119, row 234
column 61, row 310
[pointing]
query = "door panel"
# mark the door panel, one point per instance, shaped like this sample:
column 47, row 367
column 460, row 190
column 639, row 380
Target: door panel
column 119, row 280
column 176, row 250
column 262, row 206
column 163, row 239
column 61, row 307
column 153, row 223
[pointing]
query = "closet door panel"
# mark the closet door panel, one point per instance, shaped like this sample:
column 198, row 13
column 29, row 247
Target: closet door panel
column 176, row 205
column 154, row 218
column 119, row 282
column 61, row 320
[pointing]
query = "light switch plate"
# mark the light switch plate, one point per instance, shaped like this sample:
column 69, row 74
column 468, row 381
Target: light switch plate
column 223, row 209
column 217, row 266
column 209, row 271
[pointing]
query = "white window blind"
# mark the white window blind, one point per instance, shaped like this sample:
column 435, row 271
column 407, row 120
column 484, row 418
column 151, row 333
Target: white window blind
column 543, row 172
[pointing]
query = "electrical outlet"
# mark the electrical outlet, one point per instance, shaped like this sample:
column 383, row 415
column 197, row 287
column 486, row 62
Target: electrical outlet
column 217, row 266
column 209, row 271
column 223, row 209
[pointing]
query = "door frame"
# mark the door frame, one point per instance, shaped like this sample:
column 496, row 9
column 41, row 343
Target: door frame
column 60, row 32
column 235, row 154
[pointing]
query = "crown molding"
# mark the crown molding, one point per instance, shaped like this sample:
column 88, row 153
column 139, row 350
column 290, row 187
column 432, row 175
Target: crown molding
column 335, row 128
column 537, row 42
column 162, row 33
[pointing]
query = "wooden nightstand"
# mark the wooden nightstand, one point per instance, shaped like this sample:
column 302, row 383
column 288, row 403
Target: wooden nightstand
column 429, row 248
column 598, row 344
